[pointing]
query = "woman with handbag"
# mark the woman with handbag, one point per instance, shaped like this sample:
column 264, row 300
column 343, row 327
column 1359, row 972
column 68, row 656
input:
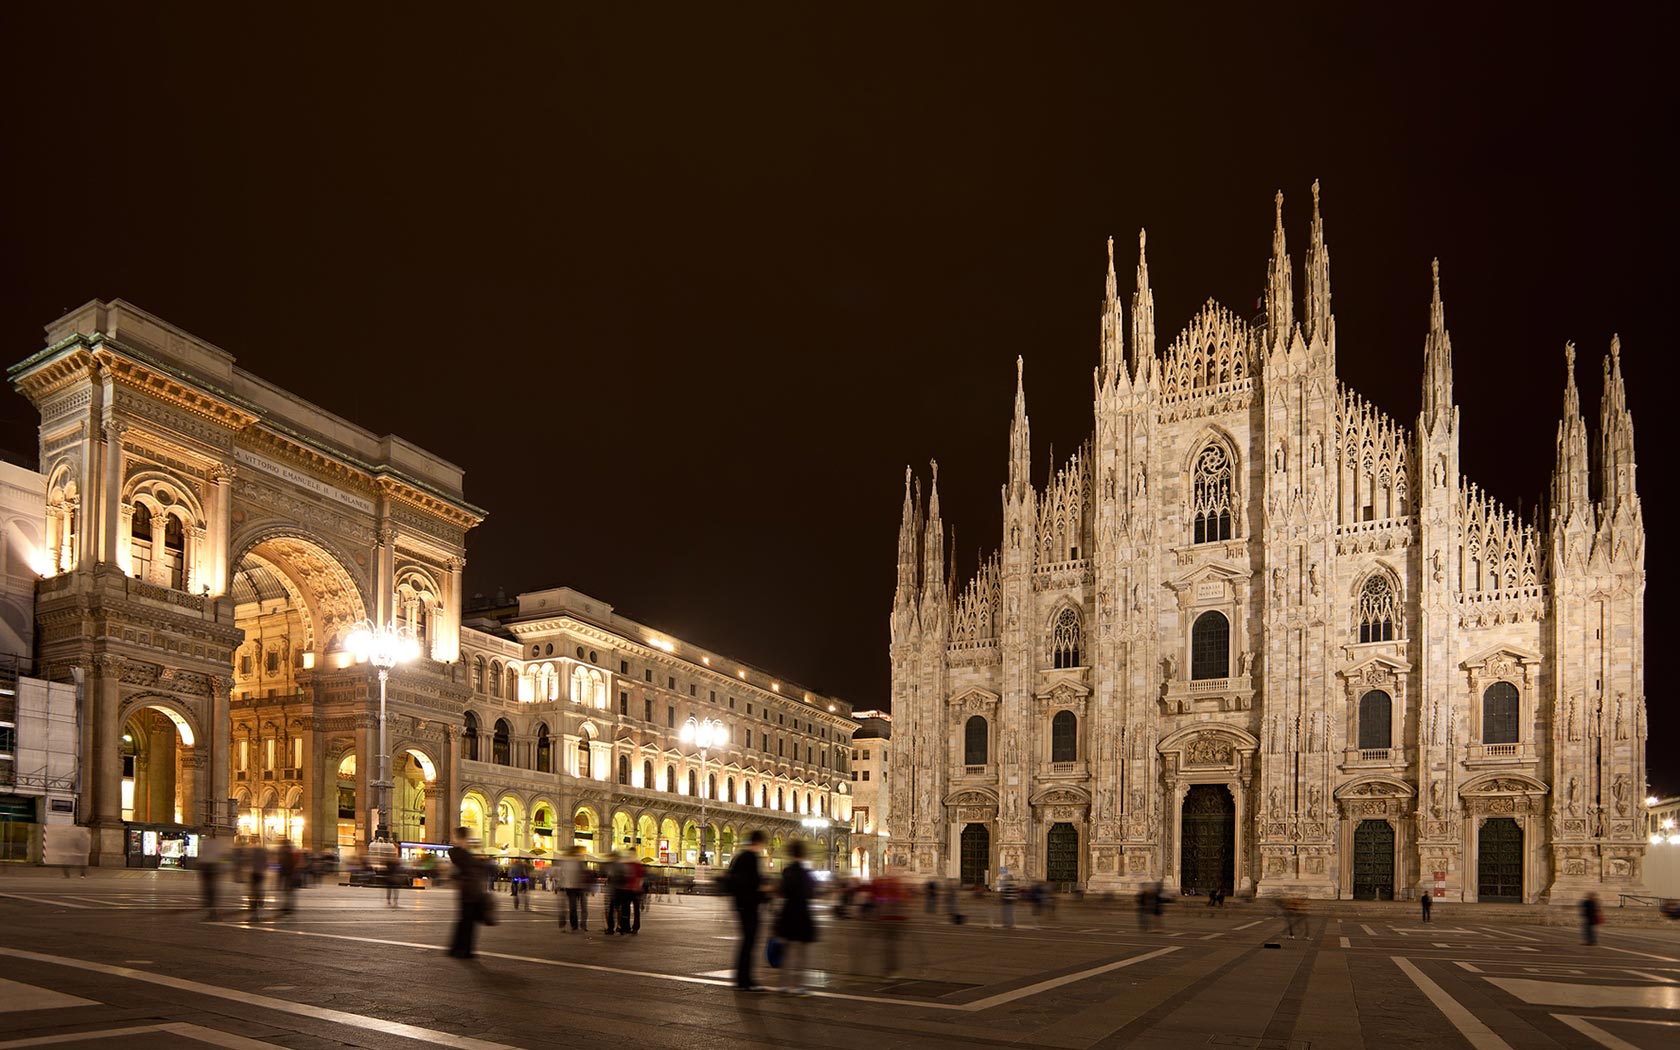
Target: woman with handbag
column 794, row 927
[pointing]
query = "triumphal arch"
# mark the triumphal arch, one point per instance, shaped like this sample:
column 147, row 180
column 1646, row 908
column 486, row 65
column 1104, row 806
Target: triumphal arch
column 212, row 541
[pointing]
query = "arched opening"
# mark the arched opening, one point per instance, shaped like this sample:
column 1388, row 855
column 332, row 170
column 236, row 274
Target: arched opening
column 1210, row 506
column 1500, row 714
column 670, row 841
column 693, row 784
column 1376, row 721
column 510, row 824
column 1499, row 861
column 542, row 829
column 976, row 855
column 545, row 749
column 501, row 743
column 1210, row 647
column 475, row 816
column 1064, row 641
column 623, row 831
column 1064, row 737
column 586, row 828
column 414, row 798
column 670, row 778
column 1207, row 854
column 1061, row 855
column 1379, row 608
column 647, row 776
column 469, row 737
column 647, row 837
column 157, row 774
column 974, row 741
column 624, row 770
column 1373, row 861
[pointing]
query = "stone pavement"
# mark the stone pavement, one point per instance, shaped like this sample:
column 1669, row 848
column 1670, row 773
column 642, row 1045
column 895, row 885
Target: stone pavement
column 107, row 962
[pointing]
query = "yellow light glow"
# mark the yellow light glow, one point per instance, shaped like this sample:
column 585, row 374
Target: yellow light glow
column 831, row 707
column 309, row 661
column 741, row 675
column 777, row 686
column 706, row 660
column 662, row 644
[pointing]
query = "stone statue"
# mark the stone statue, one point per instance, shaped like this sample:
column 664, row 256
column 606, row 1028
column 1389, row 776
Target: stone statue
column 1312, row 578
column 1275, row 803
column 1277, row 588
column 1169, row 664
column 1137, row 597
column 1313, row 797
column 1439, row 572
column 1619, row 791
column 1246, row 662
column 1574, row 798
column 1435, row 799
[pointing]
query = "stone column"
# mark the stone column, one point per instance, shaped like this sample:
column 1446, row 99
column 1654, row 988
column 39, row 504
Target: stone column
column 106, row 765
column 158, row 572
column 1170, row 874
column 367, row 771
column 219, row 526
column 384, row 584
column 110, row 526
column 192, row 783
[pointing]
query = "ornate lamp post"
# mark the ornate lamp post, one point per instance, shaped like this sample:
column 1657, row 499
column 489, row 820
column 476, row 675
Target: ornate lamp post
column 704, row 735
column 384, row 648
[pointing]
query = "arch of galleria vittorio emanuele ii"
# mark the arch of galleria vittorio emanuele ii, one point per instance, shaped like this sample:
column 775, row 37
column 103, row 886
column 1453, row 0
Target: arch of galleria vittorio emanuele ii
column 1257, row 634
column 213, row 540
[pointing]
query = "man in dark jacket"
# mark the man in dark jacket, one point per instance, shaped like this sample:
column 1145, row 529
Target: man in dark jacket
column 746, row 887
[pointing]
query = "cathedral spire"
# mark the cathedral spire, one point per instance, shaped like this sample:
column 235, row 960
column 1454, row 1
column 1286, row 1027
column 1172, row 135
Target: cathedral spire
column 1143, row 318
column 907, row 528
column 1020, row 438
column 1437, row 361
column 933, row 545
column 1317, row 267
column 1570, row 499
column 1280, row 296
column 1113, row 349
column 1615, row 432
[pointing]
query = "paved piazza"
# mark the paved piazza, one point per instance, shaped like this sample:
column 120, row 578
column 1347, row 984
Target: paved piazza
column 125, row 960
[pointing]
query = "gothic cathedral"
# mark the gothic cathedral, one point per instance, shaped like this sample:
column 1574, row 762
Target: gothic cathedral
column 1256, row 635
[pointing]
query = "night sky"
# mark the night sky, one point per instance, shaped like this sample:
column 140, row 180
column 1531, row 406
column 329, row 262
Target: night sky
column 683, row 295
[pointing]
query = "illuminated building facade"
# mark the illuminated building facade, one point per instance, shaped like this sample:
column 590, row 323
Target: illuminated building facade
column 1257, row 634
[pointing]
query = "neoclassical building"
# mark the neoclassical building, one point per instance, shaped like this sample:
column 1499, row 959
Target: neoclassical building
column 208, row 543
column 1258, row 634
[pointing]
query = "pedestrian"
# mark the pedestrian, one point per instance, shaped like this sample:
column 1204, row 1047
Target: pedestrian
column 286, row 875
column 615, row 894
column 573, row 876
column 1427, row 901
column 793, row 923
column 746, row 891
column 1145, row 908
column 256, row 860
column 1591, row 916
column 1295, row 913
column 635, row 883
column 472, row 906
column 1006, row 897
column 518, row 876
column 952, row 902
column 931, row 891
column 889, row 903
column 211, row 851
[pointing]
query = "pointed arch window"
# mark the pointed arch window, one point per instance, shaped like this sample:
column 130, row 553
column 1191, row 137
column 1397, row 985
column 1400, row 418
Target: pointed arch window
column 1379, row 609
column 974, row 741
column 729, row 788
column 711, row 785
column 1376, row 721
column 624, row 769
column 1064, row 640
column 1500, row 714
column 670, row 778
column 1210, row 647
column 1064, row 737
column 693, row 784
column 1210, row 507
column 545, row 750
column 501, row 745
column 647, row 776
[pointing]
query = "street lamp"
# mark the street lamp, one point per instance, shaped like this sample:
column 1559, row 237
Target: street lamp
column 384, row 648
column 704, row 735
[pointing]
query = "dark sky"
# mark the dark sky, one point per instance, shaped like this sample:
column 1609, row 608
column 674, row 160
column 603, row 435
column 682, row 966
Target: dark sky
column 684, row 295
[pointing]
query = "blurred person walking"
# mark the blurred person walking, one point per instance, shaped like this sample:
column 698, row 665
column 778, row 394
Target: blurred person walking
column 615, row 895
column 1006, row 898
column 256, row 864
column 212, row 852
column 519, row 882
column 1426, row 902
column 793, row 923
column 745, row 883
column 1591, row 916
column 573, row 881
column 286, row 875
column 635, row 887
column 890, row 900
column 474, row 901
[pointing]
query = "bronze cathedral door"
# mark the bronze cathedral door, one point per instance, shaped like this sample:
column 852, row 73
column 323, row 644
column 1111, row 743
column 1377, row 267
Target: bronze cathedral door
column 1207, row 849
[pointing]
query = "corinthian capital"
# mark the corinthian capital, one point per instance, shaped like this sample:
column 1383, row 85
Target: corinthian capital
column 114, row 429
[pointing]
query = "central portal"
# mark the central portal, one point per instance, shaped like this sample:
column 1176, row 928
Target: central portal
column 1208, row 841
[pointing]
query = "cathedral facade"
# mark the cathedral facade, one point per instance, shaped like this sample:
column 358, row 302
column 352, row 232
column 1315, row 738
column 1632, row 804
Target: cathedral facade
column 1257, row 634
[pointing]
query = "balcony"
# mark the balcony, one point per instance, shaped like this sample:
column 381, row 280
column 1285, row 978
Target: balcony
column 1498, row 754
column 986, row 771
column 1184, row 696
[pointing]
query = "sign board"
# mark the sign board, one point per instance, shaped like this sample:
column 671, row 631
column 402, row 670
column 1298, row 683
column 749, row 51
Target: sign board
column 1440, row 884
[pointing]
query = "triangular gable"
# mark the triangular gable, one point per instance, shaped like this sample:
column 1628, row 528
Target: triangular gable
column 1526, row 657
